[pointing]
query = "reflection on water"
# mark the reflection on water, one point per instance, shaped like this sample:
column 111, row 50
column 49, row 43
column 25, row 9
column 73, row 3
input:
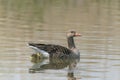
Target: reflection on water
column 47, row 21
column 54, row 64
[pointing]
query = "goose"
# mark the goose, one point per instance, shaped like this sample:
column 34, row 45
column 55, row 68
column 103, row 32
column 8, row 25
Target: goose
column 58, row 51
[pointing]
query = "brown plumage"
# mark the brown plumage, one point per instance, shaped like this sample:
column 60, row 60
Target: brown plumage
column 57, row 51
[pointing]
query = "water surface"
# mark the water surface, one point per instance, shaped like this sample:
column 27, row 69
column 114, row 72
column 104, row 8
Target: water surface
column 47, row 21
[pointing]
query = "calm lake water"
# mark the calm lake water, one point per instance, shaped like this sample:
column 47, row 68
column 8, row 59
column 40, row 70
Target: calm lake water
column 47, row 21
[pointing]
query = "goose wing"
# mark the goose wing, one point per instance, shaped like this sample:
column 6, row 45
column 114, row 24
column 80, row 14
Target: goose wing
column 53, row 50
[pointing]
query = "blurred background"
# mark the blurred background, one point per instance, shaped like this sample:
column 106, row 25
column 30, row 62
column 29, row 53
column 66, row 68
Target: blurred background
column 47, row 21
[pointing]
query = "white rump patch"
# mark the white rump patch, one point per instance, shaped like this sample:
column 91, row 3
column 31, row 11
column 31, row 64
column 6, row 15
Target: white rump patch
column 44, row 53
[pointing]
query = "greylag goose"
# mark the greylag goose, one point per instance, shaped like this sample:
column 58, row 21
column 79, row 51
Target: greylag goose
column 57, row 51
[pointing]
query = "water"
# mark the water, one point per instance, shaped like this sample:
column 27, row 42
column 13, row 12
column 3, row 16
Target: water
column 47, row 21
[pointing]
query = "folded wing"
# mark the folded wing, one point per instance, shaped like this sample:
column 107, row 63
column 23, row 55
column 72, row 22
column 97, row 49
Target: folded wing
column 53, row 50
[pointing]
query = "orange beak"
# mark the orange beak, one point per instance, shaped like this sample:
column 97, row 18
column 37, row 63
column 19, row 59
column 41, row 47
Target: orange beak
column 77, row 34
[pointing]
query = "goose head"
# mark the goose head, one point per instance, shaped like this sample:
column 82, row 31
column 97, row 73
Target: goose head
column 70, row 40
column 73, row 34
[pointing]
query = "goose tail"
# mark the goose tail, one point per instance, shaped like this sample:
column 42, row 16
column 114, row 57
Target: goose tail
column 38, row 50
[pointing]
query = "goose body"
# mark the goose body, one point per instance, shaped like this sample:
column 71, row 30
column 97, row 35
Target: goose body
column 57, row 51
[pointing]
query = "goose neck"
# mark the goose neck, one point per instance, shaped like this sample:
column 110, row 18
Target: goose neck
column 71, row 43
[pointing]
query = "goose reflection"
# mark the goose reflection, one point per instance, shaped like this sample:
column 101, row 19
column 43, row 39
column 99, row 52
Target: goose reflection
column 41, row 64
